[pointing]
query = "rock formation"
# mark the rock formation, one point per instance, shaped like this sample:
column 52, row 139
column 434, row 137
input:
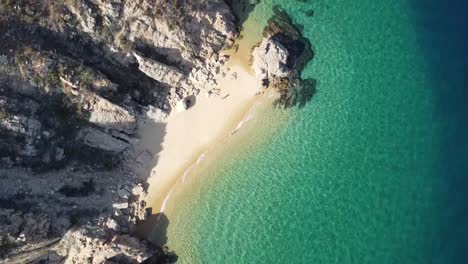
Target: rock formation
column 280, row 58
column 270, row 60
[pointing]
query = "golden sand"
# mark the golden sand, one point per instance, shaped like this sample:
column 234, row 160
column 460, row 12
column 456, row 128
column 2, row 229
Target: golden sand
column 188, row 136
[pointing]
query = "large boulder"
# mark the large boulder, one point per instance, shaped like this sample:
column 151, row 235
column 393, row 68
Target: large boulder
column 270, row 60
column 159, row 71
column 105, row 114
column 100, row 140
column 280, row 58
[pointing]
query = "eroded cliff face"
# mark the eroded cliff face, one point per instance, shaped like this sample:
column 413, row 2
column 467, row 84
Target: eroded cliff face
column 100, row 63
column 76, row 78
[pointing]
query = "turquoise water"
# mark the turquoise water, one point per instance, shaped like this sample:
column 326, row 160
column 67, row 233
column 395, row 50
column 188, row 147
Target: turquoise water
column 373, row 170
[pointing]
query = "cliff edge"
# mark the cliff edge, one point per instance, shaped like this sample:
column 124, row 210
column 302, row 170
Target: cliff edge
column 76, row 79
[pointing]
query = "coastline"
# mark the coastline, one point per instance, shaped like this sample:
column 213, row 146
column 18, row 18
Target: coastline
column 112, row 116
column 196, row 130
column 189, row 136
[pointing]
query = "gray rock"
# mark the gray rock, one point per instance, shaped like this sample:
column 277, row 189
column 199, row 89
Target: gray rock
column 145, row 159
column 123, row 193
column 59, row 154
column 233, row 76
column 110, row 116
column 3, row 60
column 156, row 115
column 159, row 71
column 98, row 139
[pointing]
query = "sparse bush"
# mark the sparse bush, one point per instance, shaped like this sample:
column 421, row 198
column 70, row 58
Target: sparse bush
column 52, row 78
column 171, row 27
column 6, row 6
column 126, row 44
column 85, row 76
column 3, row 114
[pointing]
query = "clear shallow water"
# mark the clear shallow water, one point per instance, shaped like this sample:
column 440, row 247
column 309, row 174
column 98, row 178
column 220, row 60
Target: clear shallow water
column 373, row 170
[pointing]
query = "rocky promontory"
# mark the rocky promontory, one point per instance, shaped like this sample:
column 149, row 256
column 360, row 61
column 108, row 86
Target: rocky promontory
column 279, row 59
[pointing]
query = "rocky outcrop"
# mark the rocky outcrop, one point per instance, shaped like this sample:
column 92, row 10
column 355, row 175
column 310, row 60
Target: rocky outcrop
column 98, row 139
column 270, row 60
column 108, row 115
column 159, row 71
column 70, row 216
column 280, row 58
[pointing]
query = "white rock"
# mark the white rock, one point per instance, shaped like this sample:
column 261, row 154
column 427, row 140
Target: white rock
column 156, row 115
column 118, row 213
column 123, row 205
column 269, row 60
column 112, row 224
column 184, row 104
column 138, row 190
column 159, row 71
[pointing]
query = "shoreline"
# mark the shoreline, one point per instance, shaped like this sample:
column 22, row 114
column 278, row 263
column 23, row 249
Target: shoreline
column 235, row 135
column 234, row 141
column 161, row 185
column 177, row 144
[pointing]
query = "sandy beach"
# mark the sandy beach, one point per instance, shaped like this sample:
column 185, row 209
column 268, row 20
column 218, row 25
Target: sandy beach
column 187, row 137
column 183, row 139
column 189, row 133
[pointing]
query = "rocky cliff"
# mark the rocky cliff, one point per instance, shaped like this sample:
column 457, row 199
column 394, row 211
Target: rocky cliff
column 76, row 78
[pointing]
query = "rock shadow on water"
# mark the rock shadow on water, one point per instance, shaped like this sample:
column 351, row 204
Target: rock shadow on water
column 242, row 8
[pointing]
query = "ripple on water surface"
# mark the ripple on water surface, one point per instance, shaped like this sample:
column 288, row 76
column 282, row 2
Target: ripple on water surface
column 362, row 173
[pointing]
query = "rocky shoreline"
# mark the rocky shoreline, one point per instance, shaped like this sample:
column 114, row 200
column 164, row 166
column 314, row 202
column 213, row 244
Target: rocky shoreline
column 279, row 59
column 77, row 80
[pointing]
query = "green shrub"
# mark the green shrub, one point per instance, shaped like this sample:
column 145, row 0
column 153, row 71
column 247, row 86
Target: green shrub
column 3, row 114
column 85, row 75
